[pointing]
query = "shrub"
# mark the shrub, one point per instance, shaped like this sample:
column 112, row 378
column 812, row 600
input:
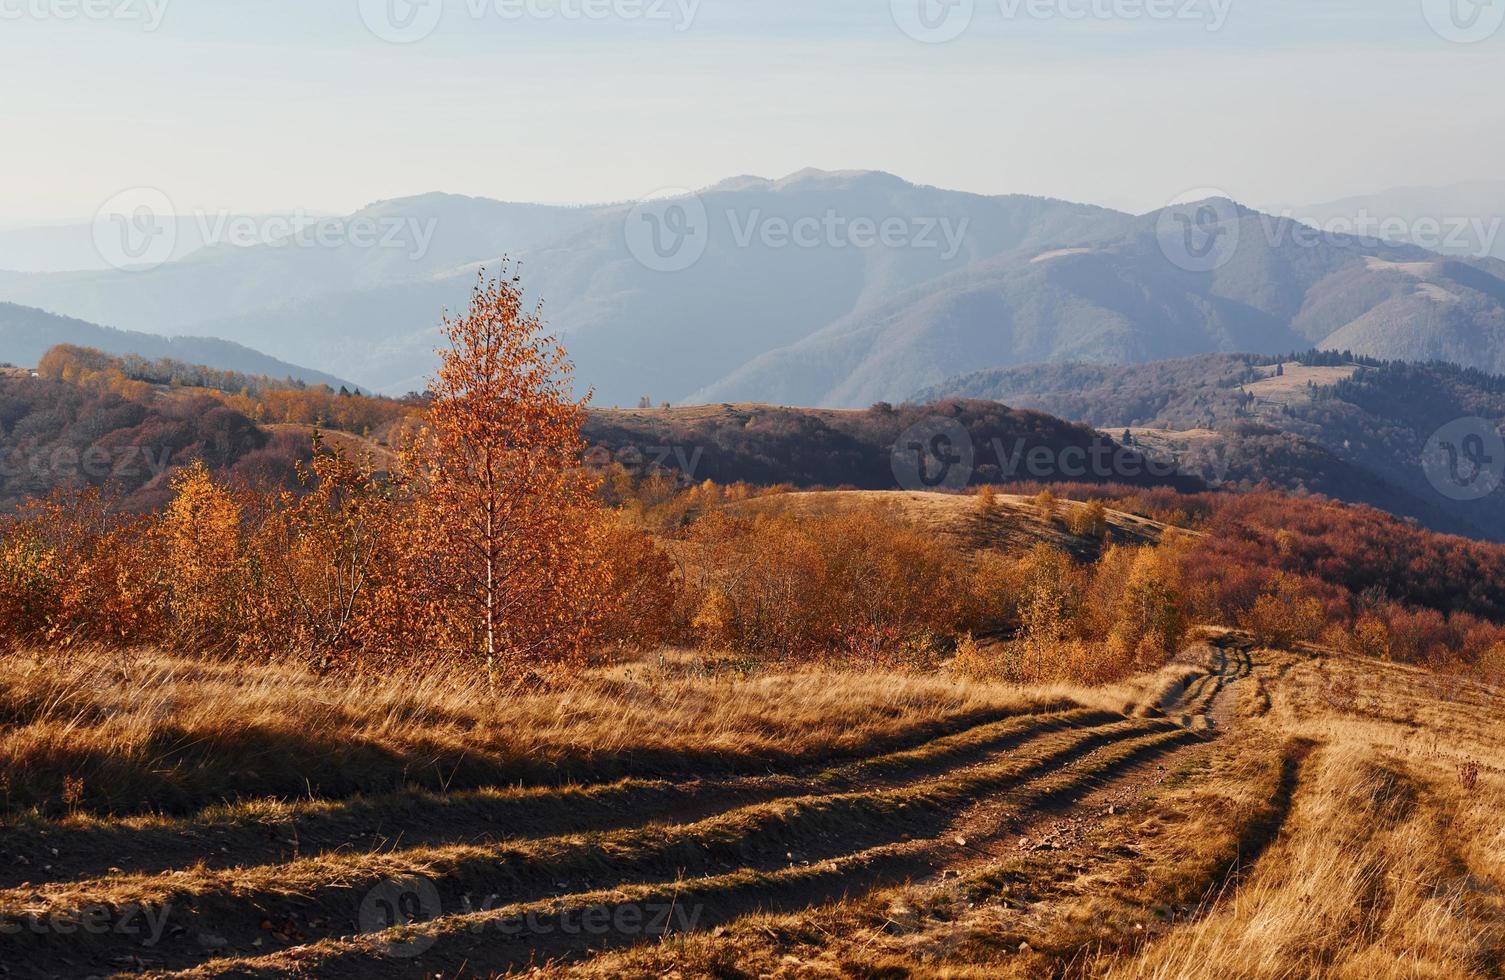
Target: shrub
column 1285, row 613
column 1090, row 520
column 1047, row 506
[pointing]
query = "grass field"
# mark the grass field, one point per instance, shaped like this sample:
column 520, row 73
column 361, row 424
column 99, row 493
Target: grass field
column 1244, row 812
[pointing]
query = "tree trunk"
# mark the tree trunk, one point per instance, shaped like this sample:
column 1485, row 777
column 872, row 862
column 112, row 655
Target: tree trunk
column 491, row 588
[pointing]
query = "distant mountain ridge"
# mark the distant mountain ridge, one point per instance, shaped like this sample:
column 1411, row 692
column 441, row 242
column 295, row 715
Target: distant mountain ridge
column 26, row 334
column 786, row 304
column 1466, row 219
column 1121, row 300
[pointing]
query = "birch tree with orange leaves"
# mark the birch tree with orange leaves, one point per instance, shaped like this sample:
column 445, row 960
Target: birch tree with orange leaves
column 507, row 524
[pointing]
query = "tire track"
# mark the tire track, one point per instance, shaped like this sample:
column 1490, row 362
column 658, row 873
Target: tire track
column 491, row 941
column 322, row 896
column 488, row 857
column 268, row 832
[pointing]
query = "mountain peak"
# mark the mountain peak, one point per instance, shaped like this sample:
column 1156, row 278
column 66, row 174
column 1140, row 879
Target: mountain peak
column 839, row 178
column 810, row 178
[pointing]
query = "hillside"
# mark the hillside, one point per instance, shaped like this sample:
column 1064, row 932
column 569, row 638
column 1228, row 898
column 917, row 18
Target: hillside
column 26, row 334
column 1243, row 802
column 56, row 435
column 1013, row 523
column 119, row 409
column 1355, row 430
column 870, row 449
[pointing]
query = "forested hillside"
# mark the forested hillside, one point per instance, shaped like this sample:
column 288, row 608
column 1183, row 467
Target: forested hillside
column 1349, row 427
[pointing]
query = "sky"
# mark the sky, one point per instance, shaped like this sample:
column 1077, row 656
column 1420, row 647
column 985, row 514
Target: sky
column 272, row 105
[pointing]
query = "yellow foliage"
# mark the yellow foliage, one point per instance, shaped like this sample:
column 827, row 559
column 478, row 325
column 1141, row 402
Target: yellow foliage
column 1090, row 520
column 206, row 565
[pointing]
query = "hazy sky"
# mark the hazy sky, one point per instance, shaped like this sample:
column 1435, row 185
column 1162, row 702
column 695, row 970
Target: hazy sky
column 276, row 104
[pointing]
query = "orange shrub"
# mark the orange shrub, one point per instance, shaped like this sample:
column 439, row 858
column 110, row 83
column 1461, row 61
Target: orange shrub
column 636, row 608
column 73, row 568
column 862, row 584
column 1285, row 613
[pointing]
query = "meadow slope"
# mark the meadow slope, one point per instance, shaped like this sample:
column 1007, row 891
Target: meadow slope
column 1242, row 812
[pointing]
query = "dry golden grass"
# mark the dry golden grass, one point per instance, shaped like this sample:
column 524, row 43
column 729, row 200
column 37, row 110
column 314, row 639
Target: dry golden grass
column 1294, row 385
column 1390, row 864
column 1022, row 913
column 1348, row 823
column 1341, row 833
column 150, row 731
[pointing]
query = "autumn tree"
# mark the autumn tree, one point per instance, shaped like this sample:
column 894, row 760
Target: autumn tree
column 1048, row 506
column 206, row 567
column 642, row 586
column 1048, row 602
column 74, row 567
column 1149, row 619
column 1090, row 520
column 506, row 512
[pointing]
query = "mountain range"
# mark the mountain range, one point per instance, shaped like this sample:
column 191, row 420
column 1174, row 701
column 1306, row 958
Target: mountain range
column 820, row 289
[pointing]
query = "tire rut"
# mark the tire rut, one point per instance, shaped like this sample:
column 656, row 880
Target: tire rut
column 316, row 900
column 488, row 941
column 277, row 833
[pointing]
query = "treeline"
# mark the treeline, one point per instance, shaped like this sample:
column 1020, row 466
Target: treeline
column 351, row 572
column 815, row 448
column 263, row 400
column 768, row 578
column 866, row 586
column 1359, row 438
column 340, row 576
column 55, row 435
column 74, row 364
